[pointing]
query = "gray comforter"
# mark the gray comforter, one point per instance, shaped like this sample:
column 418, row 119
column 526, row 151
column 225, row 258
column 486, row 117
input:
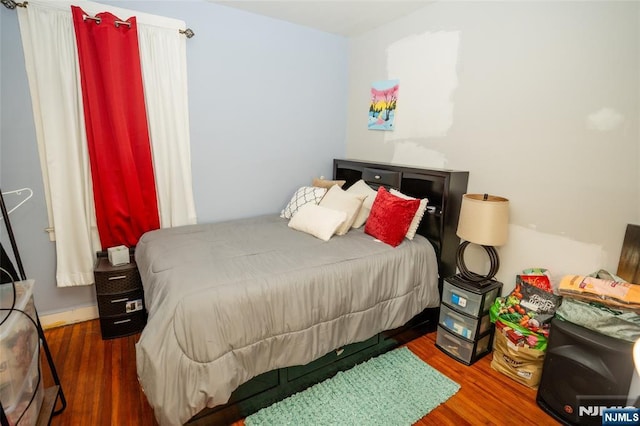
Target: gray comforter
column 229, row 301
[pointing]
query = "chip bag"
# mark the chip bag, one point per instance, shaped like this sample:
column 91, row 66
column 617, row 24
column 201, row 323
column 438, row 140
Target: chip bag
column 526, row 314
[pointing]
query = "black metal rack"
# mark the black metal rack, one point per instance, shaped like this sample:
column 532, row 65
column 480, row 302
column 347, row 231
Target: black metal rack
column 54, row 393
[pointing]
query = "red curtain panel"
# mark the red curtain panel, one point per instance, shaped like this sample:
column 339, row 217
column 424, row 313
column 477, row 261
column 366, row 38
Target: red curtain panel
column 116, row 126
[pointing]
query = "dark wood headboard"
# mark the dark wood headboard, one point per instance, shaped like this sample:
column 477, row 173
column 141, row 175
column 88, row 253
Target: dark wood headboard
column 443, row 188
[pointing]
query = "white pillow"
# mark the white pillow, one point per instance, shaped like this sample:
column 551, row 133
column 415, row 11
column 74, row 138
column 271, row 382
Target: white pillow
column 415, row 223
column 304, row 195
column 361, row 188
column 321, row 222
column 338, row 199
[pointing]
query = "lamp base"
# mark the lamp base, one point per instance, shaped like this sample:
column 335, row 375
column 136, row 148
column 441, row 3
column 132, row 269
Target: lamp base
column 473, row 276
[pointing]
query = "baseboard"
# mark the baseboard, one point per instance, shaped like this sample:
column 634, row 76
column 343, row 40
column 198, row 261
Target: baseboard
column 73, row 316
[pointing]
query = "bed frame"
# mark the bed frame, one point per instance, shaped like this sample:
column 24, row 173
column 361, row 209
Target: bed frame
column 444, row 189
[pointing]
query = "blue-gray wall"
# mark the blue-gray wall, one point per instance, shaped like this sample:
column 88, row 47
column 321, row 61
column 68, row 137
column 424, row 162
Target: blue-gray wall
column 267, row 103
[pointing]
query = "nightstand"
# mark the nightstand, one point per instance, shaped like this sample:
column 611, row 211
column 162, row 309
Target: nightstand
column 465, row 331
column 120, row 298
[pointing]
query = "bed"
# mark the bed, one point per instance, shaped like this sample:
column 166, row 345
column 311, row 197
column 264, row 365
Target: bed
column 245, row 312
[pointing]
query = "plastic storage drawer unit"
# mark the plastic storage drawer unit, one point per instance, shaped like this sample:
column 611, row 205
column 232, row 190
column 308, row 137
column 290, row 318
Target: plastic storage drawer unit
column 21, row 406
column 466, row 298
column 463, row 325
column 460, row 348
column 18, row 338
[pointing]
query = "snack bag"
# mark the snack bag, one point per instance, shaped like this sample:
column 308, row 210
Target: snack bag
column 522, row 330
column 535, row 299
column 527, row 312
column 538, row 277
column 522, row 364
column 611, row 293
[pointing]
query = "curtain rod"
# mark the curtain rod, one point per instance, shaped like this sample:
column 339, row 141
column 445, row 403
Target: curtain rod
column 11, row 4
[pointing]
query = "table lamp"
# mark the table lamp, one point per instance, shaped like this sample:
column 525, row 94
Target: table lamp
column 484, row 220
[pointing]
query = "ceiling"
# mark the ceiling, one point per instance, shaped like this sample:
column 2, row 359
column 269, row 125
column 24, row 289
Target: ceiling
column 347, row 18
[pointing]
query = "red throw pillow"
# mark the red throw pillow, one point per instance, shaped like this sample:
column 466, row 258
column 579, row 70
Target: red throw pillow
column 390, row 217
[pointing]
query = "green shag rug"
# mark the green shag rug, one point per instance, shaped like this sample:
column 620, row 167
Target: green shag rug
column 395, row 388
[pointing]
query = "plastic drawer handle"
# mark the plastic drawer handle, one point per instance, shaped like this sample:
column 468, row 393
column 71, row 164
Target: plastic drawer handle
column 450, row 313
column 122, row 322
column 120, row 300
column 119, row 277
column 455, row 317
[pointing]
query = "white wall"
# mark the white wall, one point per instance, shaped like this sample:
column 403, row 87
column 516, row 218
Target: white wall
column 539, row 101
column 267, row 102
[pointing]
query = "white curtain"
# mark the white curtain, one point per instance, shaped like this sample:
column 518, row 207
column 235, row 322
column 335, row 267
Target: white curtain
column 164, row 71
column 51, row 61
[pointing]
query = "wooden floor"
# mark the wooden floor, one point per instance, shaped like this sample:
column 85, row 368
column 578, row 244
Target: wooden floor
column 99, row 382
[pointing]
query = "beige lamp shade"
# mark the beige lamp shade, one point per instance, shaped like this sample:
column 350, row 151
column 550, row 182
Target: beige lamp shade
column 484, row 219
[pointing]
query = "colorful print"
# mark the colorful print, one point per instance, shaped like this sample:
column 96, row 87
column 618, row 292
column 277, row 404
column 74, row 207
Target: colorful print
column 382, row 109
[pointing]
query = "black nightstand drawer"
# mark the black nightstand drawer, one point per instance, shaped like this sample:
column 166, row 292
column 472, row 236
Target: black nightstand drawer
column 121, row 304
column 116, row 279
column 124, row 325
column 382, row 177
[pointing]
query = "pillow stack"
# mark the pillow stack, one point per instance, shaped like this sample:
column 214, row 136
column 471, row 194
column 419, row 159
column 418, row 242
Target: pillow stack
column 325, row 209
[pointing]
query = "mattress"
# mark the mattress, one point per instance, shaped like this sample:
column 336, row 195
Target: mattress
column 231, row 300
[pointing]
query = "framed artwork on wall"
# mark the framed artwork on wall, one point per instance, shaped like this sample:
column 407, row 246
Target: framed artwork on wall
column 382, row 108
